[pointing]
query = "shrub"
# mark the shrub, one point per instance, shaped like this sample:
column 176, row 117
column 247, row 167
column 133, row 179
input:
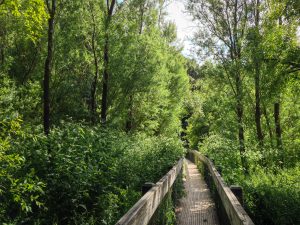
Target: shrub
column 91, row 175
column 20, row 189
column 272, row 196
column 225, row 155
column 274, row 199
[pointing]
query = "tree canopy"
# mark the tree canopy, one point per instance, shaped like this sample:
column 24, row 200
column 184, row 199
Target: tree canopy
column 97, row 98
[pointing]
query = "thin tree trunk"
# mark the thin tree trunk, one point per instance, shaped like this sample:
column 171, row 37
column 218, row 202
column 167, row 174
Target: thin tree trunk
column 1, row 53
column 268, row 125
column 142, row 11
column 96, row 75
column 3, row 41
column 259, row 132
column 105, row 81
column 48, row 64
column 110, row 9
column 240, row 114
column 129, row 122
column 278, row 131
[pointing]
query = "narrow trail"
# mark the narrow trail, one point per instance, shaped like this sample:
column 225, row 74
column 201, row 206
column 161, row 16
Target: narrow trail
column 197, row 207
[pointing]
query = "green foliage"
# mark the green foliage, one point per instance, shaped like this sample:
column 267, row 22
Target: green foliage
column 224, row 153
column 244, row 107
column 274, row 198
column 91, row 174
column 165, row 214
column 29, row 16
column 147, row 78
column 20, row 189
column 80, row 174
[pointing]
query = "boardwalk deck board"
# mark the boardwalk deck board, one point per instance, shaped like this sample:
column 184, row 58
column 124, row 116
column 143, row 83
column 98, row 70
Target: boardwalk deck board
column 197, row 207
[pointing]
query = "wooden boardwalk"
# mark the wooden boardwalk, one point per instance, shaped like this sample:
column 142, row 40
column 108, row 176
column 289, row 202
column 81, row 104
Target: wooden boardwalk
column 197, row 207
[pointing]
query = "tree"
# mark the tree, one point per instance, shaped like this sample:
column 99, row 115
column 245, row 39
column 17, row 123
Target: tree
column 280, row 47
column 257, row 62
column 93, row 105
column 105, row 88
column 224, row 25
column 47, row 75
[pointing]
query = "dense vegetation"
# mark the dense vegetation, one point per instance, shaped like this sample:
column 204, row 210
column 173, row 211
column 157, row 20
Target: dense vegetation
column 90, row 108
column 93, row 95
column 245, row 100
column 92, row 175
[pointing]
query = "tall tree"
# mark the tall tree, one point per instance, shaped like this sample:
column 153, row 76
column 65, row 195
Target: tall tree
column 105, row 89
column 224, row 26
column 93, row 105
column 48, row 63
column 257, row 66
column 141, row 5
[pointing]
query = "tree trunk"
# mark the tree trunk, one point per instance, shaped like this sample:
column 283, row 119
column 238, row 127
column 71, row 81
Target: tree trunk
column 259, row 132
column 1, row 52
column 94, row 83
column 1, row 55
column 236, row 58
column 240, row 114
column 278, row 131
column 142, row 11
column 105, row 81
column 48, row 64
column 268, row 125
column 110, row 9
column 129, row 122
column 3, row 41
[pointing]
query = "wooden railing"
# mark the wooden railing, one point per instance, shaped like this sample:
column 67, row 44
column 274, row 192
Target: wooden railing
column 236, row 215
column 142, row 212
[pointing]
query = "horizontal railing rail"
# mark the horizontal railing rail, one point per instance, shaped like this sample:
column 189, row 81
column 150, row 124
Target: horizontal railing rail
column 234, row 210
column 142, row 212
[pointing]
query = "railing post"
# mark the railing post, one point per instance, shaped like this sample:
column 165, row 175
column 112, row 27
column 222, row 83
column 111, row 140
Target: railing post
column 238, row 192
column 146, row 187
column 219, row 169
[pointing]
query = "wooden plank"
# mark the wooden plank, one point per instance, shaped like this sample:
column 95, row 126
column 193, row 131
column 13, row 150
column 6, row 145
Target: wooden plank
column 197, row 207
column 236, row 213
column 143, row 210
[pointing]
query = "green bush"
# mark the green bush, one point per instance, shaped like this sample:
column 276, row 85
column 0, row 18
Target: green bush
column 20, row 188
column 225, row 155
column 274, row 199
column 272, row 196
column 89, row 175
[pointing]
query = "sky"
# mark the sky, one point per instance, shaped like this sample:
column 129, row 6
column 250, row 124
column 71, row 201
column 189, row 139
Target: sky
column 185, row 25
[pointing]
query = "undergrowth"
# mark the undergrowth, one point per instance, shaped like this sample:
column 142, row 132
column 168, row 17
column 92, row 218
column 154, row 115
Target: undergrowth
column 79, row 174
